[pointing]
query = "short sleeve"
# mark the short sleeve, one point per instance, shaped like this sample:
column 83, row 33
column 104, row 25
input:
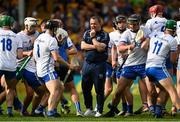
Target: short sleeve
column 173, row 45
column 53, row 45
column 69, row 43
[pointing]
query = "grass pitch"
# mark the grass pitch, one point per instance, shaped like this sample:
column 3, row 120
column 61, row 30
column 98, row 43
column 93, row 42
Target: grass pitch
column 72, row 116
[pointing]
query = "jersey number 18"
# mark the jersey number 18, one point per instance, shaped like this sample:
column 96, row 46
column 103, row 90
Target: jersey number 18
column 6, row 44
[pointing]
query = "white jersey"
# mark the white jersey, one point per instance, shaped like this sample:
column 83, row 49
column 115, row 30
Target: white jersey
column 27, row 46
column 156, row 24
column 9, row 44
column 43, row 46
column 114, row 40
column 138, row 55
column 159, row 48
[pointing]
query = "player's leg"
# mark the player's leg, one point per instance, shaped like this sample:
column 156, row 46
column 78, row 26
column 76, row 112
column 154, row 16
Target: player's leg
column 38, row 97
column 55, row 89
column 143, row 93
column 28, row 99
column 74, row 96
column 122, row 83
column 11, row 81
column 128, row 99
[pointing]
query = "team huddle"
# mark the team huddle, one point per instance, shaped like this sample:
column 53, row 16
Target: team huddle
column 40, row 60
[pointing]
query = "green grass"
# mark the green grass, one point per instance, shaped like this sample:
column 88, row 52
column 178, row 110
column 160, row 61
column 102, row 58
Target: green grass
column 72, row 115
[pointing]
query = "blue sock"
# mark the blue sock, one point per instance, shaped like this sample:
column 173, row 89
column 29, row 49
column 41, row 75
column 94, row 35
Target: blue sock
column 52, row 112
column 77, row 105
column 17, row 103
column 9, row 110
column 64, row 101
column 130, row 108
column 124, row 107
column 40, row 108
column 158, row 110
column 152, row 108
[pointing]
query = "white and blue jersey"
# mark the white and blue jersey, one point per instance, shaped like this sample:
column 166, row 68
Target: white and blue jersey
column 178, row 42
column 43, row 46
column 160, row 46
column 28, row 41
column 9, row 44
column 135, row 63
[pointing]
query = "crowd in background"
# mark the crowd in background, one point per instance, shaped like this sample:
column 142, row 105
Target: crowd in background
column 76, row 13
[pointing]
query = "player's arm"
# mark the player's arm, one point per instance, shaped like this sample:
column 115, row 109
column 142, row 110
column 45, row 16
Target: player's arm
column 19, row 53
column 114, row 55
column 59, row 59
column 145, row 44
column 173, row 51
column 123, row 47
column 173, row 56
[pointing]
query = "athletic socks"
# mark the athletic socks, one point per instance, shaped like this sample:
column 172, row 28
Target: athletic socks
column 17, row 103
column 124, row 107
column 158, row 111
column 129, row 108
column 77, row 105
column 9, row 111
column 64, row 101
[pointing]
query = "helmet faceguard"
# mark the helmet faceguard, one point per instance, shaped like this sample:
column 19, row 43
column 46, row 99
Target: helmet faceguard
column 30, row 23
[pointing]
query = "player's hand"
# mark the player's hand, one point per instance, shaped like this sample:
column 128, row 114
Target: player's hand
column 29, row 53
column 114, row 64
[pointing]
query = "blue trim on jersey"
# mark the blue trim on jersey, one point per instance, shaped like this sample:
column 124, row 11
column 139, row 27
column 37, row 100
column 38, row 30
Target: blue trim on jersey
column 53, row 50
column 48, row 77
column 156, row 74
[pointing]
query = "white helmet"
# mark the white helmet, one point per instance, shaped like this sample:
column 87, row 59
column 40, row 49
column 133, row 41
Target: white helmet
column 61, row 32
column 30, row 21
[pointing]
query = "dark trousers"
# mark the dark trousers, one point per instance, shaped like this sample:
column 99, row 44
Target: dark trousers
column 93, row 73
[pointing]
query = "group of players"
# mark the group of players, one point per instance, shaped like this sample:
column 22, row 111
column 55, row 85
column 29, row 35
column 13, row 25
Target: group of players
column 150, row 58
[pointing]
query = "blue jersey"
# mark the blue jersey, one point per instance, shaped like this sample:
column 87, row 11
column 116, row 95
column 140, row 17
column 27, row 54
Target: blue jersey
column 63, row 47
column 93, row 55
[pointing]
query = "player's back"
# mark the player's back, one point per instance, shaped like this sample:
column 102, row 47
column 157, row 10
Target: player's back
column 43, row 46
column 156, row 24
column 10, row 42
column 159, row 48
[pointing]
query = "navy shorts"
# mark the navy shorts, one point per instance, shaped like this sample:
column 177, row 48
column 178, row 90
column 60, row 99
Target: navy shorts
column 9, row 75
column 31, row 79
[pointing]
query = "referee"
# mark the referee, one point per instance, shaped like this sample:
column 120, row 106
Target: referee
column 95, row 44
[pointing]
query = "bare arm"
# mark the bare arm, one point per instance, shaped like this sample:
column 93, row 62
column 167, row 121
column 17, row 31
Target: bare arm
column 85, row 46
column 72, row 50
column 19, row 53
column 98, row 45
column 59, row 59
column 114, row 55
column 173, row 56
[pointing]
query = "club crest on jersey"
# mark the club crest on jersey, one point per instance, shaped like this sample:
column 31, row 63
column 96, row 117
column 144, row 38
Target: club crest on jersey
column 98, row 38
